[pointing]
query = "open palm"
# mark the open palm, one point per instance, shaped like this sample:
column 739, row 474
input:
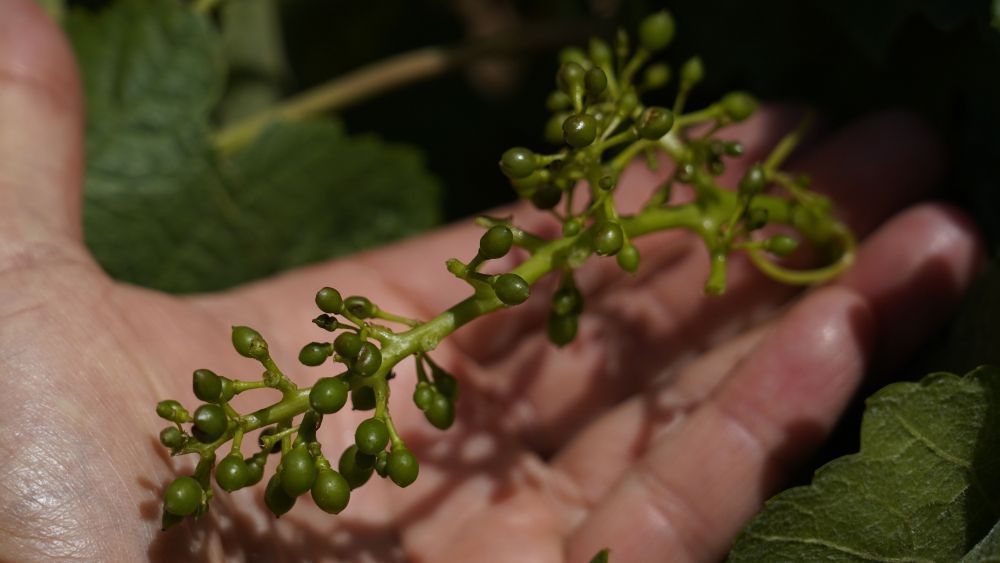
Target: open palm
column 658, row 432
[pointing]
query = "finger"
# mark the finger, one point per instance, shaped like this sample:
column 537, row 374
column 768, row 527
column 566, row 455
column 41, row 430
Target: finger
column 692, row 491
column 41, row 146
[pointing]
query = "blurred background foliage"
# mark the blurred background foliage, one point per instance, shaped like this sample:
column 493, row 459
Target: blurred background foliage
column 396, row 163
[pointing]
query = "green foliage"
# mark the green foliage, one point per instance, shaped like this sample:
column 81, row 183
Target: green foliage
column 923, row 487
column 165, row 210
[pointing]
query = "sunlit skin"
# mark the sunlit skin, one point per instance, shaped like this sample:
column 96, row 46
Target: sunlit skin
column 658, row 432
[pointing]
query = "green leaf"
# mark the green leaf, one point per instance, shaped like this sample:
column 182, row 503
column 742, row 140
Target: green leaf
column 163, row 210
column 924, row 486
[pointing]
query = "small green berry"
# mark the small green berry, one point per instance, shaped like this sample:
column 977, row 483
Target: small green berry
column 579, row 130
column 738, row 105
column 355, row 474
column 692, row 72
column 562, row 328
column 423, row 395
column 326, row 322
column 546, row 196
column 249, row 343
column 496, row 242
column 656, row 31
column 553, row 128
column 446, row 384
column 441, row 412
column 606, row 183
column 627, row 103
column 171, row 437
column 781, row 245
column 402, row 467
column 382, row 464
column 360, row 306
column 511, row 289
column 518, row 162
column 228, row 390
column 315, row 353
column 232, row 473
column 371, row 436
column 298, row 471
column 656, row 76
column 608, row 238
column 329, row 301
column 277, row 500
column 654, row 122
column 368, row 361
column 572, row 227
column 348, row 345
column 572, row 55
column 570, row 78
column 255, row 470
column 756, row 218
column 171, row 410
column 182, row 497
column 628, row 258
column 596, row 82
column 331, row 492
column 557, row 100
column 210, row 420
column 329, row 395
column 600, row 52
column 753, row 182
column 207, row 385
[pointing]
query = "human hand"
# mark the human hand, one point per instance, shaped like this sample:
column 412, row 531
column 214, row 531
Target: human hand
column 658, row 432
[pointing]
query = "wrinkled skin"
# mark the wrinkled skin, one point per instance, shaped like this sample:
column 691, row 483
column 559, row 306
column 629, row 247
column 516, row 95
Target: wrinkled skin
column 659, row 432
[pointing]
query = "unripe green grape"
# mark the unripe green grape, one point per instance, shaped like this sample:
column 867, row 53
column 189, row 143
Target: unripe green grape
column 562, row 328
column 572, row 55
column 738, row 105
column 331, row 492
column 348, row 345
column 171, row 410
column 656, row 76
column 277, row 500
column 753, row 182
column 402, row 466
column 518, row 162
column 567, row 301
column 546, row 196
column 363, row 398
column 364, row 461
column 655, row 122
column 326, row 322
column 171, row 437
column 423, row 394
column 368, row 361
column 315, row 353
column 733, row 148
column 628, row 258
column 511, row 289
column 382, row 464
column 249, row 343
column 371, row 436
column 328, row 395
column 600, row 52
column 228, row 390
column 692, row 72
column 446, row 384
column 656, row 31
column 207, row 385
column 255, row 470
column 298, row 471
column 182, row 497
column 441, row 412
column 756, row 218
column 329, row 301
column 553, row 128
column 627, row 103
column 359, row 306
column 596, row 82
column 232, row 473
column 557, row 100
column 606, row 183
column 579, row 130
column 211, row 422
column 570, row 78
column 608, row 238
column 572, row 227
column 354, row 474
column 496, row 242
column 781, row 245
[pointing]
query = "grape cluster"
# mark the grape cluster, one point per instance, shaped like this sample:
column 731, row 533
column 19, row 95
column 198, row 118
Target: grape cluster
column 600, row 125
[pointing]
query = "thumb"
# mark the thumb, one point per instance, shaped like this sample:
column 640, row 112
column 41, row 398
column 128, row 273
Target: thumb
column 41, row 149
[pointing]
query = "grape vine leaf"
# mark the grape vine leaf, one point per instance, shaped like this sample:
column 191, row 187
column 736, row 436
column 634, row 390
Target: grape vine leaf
column 163, row 209
column 924, row 486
